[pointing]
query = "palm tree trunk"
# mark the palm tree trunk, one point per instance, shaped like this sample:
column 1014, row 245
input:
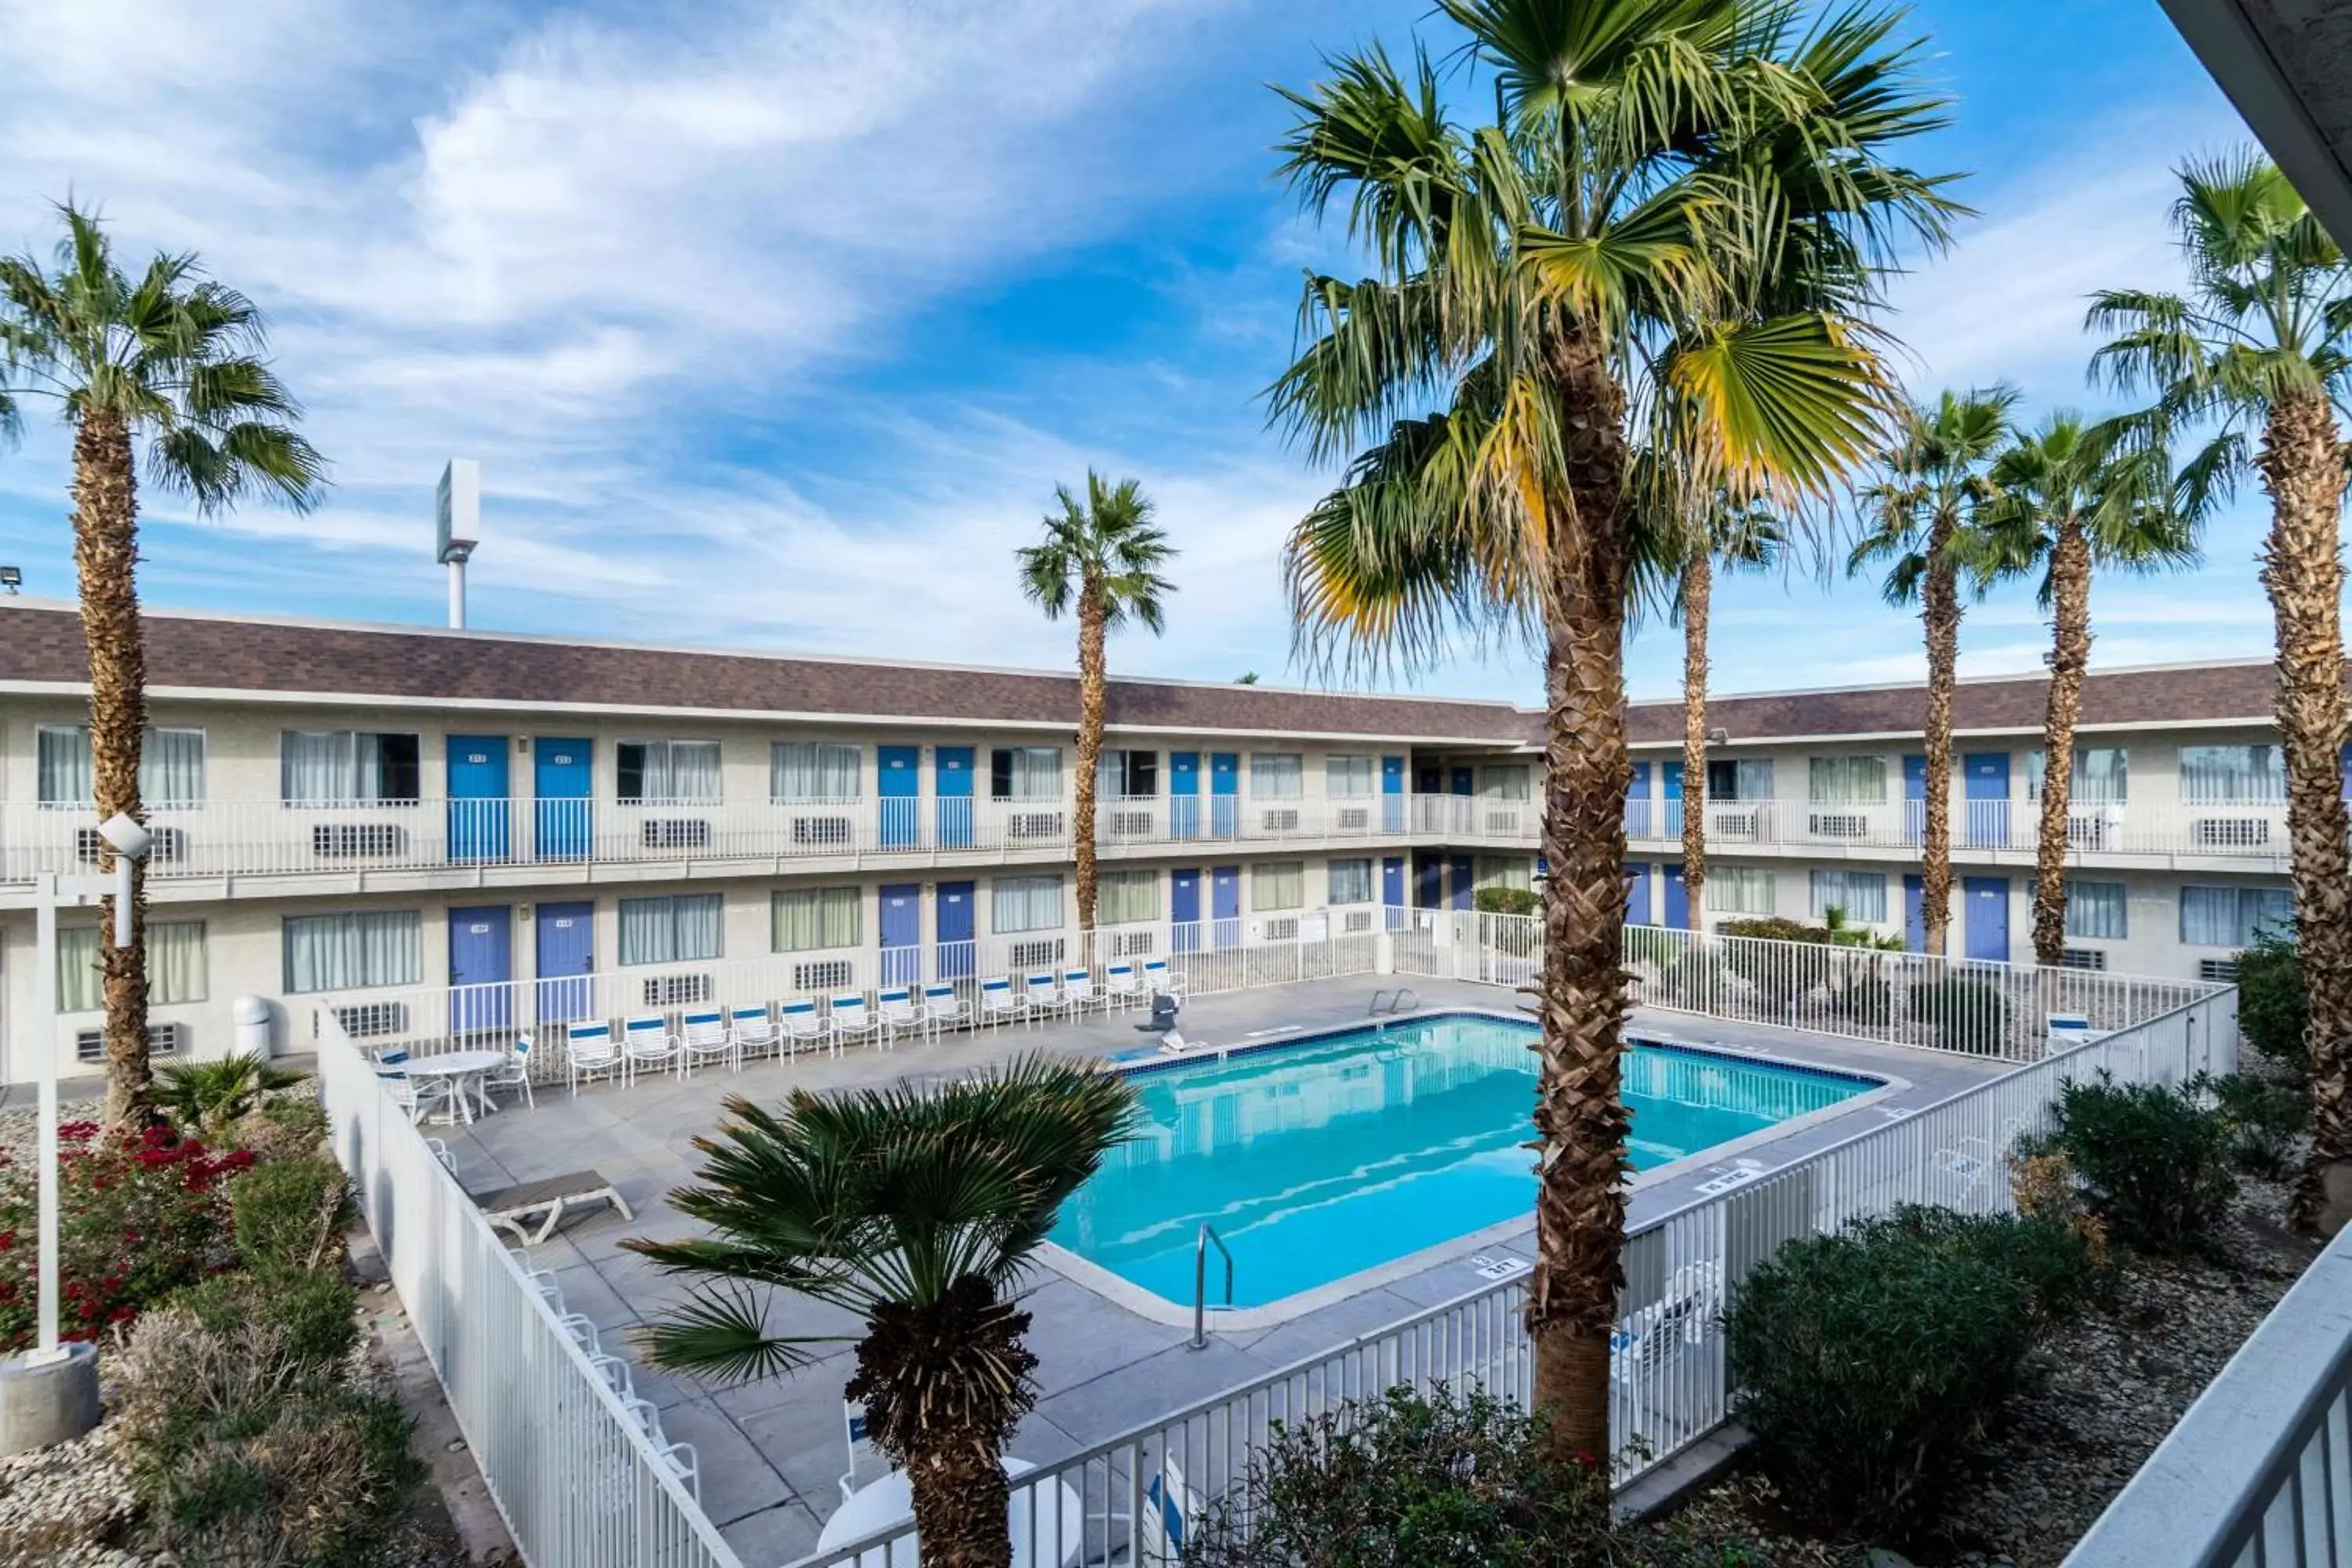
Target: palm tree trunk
column 1580, row 1122
column 1090, row 738
column 1941, row 615
column 2303, row 468
column 944, row 1385
column 2069, row 656
column 1698, row 586
column 106, row 549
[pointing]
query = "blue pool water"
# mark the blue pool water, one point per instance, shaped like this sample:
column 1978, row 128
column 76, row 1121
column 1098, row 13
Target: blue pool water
column 1317, row 1160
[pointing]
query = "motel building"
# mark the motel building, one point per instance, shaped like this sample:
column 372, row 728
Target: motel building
column 503, row 831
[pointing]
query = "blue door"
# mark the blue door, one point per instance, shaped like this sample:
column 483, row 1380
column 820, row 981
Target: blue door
column 478, row 797
column 1637, row 895
column 1677, row 898
column 1226, row 905
column 1637, row 802
column 952, row 912
column 1184, row 907
column 951, row 788
column 1466, row 881
column 1428, row 880
column 1915, row 916
column 1224, row 792
column 1392, row 889
column 567, row 954
column 1464, row 781
column 1988, row 786
column 901, row 926
column 1914, row 798
column 1392, row 794
column 898, row 787
column 561, row 829
column 1987, row 903
column 1674, row 780
column 482, row 970
column 1183, row 795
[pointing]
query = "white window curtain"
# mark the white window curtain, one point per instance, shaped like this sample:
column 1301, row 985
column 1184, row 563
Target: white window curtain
column 812, row 918
column 669, row 931
column 1860, row 894
column 1347, row 778
column 1738, row 889
column 1126, row 898
column 175, row 965
column 1504, row 781
column 353, row 951
column 670, row 772
column 1280, row 885
column 1274, row 776
column 1740, row 779
column 81, row 975
column 1847, row 781
column 1507, row 871
column 2212, row 774
column 2232, row 917
column 1350, row 883
column 1025, row 903
column 339, row 767
column 1026, row 773
column 171, row 767
column 63, row 753
column 2102, row 775
column 809, row 769
column 2096, row 910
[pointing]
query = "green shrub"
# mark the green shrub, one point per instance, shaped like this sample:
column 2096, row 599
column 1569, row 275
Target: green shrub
column 308, row 1322
column 1781, row 974
column 2154, row 1160
column 1869, row 1366
column 203, row 1097
column 2060, row 1270
column 1968, row 1013
column 2263, row 1120
column 1504, row 901
column 289, row 1216
column 1407, row 1481
column 286, row 1126
column 2273, row 1010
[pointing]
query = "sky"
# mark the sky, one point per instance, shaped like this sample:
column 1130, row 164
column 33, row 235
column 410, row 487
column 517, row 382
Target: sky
column 777, row 324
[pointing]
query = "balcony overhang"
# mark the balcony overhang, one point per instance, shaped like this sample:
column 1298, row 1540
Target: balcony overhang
column 2286, row 64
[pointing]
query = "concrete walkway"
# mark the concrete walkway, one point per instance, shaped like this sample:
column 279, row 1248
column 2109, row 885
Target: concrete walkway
column 772, row 1451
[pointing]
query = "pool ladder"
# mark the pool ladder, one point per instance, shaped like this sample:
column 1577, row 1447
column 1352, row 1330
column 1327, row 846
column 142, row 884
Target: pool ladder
column 1201, row 1281
column 1397, row 1001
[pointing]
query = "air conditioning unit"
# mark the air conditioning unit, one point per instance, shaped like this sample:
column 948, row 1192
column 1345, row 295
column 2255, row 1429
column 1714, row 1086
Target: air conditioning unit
column 1505, row 823
column 1283, row 928
column 677, row 833
column 1733, row 823
column 2219, row 971
column 1131, row 824
column 372, row 1020
column 169, row 844
column 1133, row 943
column 676, row 990
column 2229, row 832
column 2088, row 832
column 822, row 974
column 1838, row 824
column 162, row 1040
column 1031, row 954
column 2092, row 958
column 1033, row 824
column 822, row 832
column 1353, row 818
column 357, row 840
column 1282, row 820
column 1357, row 921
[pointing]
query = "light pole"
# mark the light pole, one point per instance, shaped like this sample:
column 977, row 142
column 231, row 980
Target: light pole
column 49, row 1394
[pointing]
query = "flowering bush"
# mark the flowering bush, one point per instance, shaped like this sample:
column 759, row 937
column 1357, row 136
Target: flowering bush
column 139, row 1215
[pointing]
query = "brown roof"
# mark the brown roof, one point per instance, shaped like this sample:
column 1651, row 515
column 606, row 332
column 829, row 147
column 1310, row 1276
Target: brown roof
column 42, row 643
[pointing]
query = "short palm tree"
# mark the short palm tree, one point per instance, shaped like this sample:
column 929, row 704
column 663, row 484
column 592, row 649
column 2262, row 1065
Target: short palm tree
column 1916, row 517
column 203, row 1097
column 2071, row 499
column 2259, row 349
column 171, row 359
column 1103, row 555
column 918, row 1210
column 1557, row 290
column 1741, row 537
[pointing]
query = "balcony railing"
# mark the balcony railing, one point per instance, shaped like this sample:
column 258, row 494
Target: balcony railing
column 2234, row 830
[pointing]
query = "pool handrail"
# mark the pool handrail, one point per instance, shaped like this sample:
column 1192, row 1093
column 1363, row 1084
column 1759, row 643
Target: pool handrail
column 1201, row 1281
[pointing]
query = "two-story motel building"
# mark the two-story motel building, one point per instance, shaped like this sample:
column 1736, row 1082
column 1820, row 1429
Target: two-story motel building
column 387, row 810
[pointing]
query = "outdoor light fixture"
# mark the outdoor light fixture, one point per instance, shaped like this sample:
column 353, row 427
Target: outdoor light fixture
column 12, row 578
column 1719, row 737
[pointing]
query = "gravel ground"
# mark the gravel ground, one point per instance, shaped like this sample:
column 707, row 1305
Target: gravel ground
column 2114, row 1383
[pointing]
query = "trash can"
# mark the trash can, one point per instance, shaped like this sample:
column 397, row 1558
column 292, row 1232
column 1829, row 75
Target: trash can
column 252, row 1016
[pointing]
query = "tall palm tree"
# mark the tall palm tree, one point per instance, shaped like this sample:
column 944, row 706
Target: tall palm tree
column 2259, row 348
column 1916, row 518
column 1740, row 537
column 918, row 1210
column 1104, row 554
column 1557, row 290
column 171, row 359
column 2070, row 499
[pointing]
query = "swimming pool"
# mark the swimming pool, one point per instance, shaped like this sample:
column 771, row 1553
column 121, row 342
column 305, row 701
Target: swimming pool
column 1334, row 1154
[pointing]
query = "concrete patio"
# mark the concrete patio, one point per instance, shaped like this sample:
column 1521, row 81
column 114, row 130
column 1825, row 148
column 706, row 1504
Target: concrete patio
column 772, row 1451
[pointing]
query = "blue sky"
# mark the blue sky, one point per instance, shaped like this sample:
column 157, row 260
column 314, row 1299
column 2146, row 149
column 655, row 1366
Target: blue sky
column 776, row 324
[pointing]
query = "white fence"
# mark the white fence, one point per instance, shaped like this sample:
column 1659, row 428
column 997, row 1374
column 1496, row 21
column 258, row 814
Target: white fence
column 1669, row 1379
column 2244, row 830
column 578, row 1482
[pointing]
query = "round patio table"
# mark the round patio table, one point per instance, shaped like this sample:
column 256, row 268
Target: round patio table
column 465, row 1069
column 1045, row 1543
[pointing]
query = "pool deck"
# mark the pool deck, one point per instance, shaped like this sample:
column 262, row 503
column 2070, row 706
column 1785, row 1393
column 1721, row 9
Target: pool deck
column 772, row 1451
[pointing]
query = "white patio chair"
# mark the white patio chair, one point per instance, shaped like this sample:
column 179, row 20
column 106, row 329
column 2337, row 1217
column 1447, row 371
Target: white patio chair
column 1121, row 986
column 754, row 1031
column 1043, row 997
column 899, row 1013
column 863, row 1456
column 415, row 1096
column 615, row 1374
column 849, row 1019
column 515, row 1073
column 944, row 1008
column 582, row 1331
column 1078, row 991
column 802, row 1022
column 1159, row 977
column 1655, row 1335
column 998, row 1002
column 1169, row 1508
column 439, row 1149
column 590, row 1053
column 647, row 1043
column 703, row 1037
column 686, row 1464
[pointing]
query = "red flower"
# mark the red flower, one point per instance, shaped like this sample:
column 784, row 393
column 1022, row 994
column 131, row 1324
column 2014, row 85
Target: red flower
column 241, row 1159
column 129, row 1236
column 156, row 1137
column 1587, row 1458
column 7, row 1239
column 121, row 1315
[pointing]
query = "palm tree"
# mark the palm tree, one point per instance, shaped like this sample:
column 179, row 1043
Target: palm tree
column 2070, row 499
column 918, row 1210
column 2259, row 347
column 1916, row 519
column 1740, row 537
column 1105, row 553
column 172, row 359
column 1558, row 290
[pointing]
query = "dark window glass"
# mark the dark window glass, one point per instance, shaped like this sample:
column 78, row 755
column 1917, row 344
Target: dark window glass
column 400, row 773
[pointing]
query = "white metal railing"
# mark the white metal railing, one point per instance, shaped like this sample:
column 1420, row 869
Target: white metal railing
column 2258, row 1474
column 575, row 1478
column 2245, row 830
column 1669, row 1382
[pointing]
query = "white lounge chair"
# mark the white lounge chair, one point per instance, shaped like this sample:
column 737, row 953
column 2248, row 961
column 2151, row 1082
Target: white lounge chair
column 1043, row 997
column 898, row 1014
column 703, row 1037
column 944, row 1008
column 647, row 1042
column 516, row 1073
column 1170, row 1507
column 753, row 1031
column 1653, row 1336
column 863, row 1456
column 590, row 1053
column 513, row 1207
column 802, row 1023
column 998, row 1002
column 1159, row 977
column 1078, row 991
column 1121, row 986
column 850, row 1019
